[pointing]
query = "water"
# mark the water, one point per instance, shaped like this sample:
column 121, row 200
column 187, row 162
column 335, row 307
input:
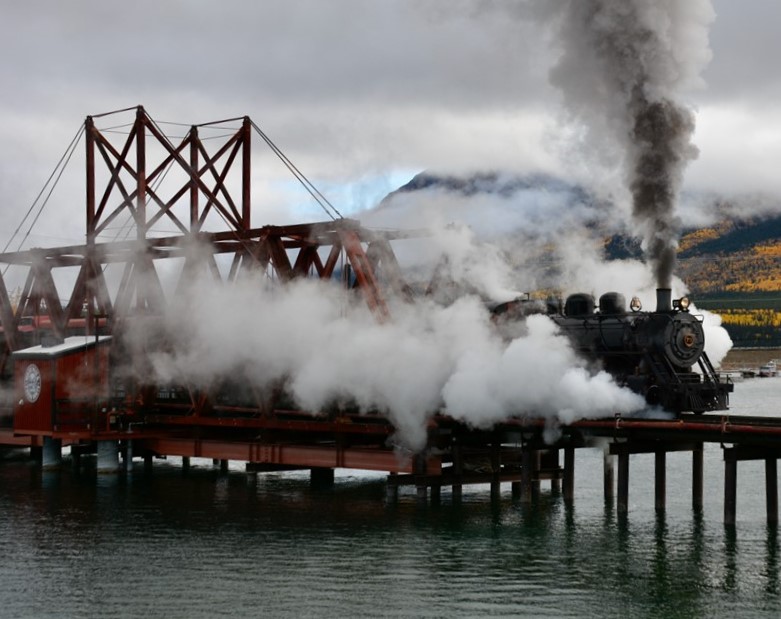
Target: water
column 202, row 544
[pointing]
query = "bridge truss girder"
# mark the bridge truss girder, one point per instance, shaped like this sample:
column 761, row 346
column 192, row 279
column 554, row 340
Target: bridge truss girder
column 133, row 168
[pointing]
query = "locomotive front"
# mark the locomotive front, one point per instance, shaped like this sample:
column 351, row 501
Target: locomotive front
column 671, row 331
column 660, row 354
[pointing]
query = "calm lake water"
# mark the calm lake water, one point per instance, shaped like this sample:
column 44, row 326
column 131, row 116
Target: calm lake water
column 202, row 544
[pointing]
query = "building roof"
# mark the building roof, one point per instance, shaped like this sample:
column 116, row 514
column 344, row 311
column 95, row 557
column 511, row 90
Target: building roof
column 69, row 344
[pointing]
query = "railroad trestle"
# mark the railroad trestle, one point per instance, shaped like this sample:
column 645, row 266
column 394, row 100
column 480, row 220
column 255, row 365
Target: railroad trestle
column 148, row 178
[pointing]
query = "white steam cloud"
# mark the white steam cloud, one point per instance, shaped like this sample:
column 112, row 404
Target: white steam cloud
column 622, row 68
column 537, row 373
column 326, row 350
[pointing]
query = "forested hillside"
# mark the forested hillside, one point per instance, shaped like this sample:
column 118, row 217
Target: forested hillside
column 734, row 269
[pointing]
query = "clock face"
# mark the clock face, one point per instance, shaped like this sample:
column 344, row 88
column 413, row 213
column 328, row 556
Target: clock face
column 32, row 383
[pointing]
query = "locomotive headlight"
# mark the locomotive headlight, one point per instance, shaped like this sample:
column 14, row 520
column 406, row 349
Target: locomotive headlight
column 684, row 303
column 635, row 305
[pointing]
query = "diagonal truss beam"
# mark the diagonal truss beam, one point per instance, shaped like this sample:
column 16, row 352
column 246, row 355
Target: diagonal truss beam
column 206, row 175
column 258, row 252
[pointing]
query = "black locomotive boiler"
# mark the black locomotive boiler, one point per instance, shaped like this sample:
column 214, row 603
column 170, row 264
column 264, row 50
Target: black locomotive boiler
column 658, row 354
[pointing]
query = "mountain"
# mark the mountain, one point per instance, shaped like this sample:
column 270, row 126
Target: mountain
column 732, row 267
column 504, row 185
column 733, row 256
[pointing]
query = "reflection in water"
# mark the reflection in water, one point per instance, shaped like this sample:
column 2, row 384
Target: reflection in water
column 696, row 550
column 730, row 580
column 660, row 565
column 771, row 572
column 203, row 543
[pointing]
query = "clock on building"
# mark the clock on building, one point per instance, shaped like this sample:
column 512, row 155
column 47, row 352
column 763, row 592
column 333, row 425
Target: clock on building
column 32, row 383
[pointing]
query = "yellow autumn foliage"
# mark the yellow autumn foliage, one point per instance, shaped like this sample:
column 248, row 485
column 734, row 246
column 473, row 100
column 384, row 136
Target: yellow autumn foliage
column 698, row 236
column 756, row 271
column 771, row 250
column 751, row 317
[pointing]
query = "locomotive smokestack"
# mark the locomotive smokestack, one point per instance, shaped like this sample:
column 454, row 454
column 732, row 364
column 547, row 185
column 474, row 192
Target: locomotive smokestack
column 664, row 299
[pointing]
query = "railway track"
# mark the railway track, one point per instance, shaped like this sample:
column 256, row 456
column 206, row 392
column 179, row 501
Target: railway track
column 702, row 428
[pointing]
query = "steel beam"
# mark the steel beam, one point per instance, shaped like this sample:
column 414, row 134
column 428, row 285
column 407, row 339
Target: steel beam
column 246, row 172
column 325, row 456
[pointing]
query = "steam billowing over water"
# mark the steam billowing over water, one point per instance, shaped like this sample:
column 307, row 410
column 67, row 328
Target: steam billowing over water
column 622, row 69
column 327, row 350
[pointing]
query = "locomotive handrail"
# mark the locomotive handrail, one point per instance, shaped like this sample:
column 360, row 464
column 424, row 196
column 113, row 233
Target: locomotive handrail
column 665, row 363
column 708, row 370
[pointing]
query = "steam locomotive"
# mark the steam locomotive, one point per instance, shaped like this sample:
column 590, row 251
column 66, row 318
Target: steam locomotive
column 656, row 354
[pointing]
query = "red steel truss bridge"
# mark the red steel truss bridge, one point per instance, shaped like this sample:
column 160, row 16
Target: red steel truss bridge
column 202, row 188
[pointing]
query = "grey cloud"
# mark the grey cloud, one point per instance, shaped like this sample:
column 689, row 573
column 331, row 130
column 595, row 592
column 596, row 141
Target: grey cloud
column 745, row 43
column 347, row 50
column 346, row 87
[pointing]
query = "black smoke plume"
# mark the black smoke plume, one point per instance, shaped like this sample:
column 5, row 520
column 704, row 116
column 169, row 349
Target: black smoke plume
column 622, row 66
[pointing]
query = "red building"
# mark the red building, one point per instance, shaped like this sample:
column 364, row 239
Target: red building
column 59, row 388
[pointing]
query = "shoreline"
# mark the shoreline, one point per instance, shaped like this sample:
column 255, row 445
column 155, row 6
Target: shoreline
column 739, row 358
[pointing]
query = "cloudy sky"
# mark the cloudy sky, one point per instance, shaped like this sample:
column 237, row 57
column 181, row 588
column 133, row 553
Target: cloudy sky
column 360, row 95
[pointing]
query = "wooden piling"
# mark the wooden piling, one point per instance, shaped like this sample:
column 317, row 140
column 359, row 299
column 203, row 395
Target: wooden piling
column 51, row 457
column 569, row 473
column 609, row 474
column 660, row 485
column 750, row 452
column 419, row 469
column 458, row 469
column 549, row 466
column 771, row 489
column 623, row 481
column 730, row 486
column 697, row 472
column 321, row 477
column 553, row 463
column 127, row 456
column 391, row 489
column 536, row 465
column 496, row 467
column 526, row 475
